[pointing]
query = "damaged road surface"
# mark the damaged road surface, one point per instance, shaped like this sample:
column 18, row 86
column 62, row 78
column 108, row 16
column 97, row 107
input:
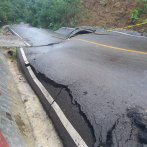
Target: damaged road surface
column 99, row 81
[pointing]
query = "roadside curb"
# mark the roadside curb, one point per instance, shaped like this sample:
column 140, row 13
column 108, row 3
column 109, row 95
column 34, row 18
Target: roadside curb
column 67, row 140
column 66, row 131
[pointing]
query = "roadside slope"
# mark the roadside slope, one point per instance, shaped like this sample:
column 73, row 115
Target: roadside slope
column 105, row 13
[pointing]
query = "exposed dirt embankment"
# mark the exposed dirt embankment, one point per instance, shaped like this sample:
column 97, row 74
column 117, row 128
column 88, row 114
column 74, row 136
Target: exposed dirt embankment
column 108, row 13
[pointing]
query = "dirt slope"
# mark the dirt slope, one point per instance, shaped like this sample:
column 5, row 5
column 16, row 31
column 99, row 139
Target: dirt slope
column 108, row 13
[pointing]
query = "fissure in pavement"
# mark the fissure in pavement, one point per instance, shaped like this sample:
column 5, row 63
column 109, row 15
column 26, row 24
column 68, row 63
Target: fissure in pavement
column 138, row 116
column 51, row 44
column 72, row 110
column 63, row 97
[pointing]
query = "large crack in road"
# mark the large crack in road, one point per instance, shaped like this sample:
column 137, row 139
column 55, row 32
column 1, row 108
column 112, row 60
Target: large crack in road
column 72, row 110
column 122, row 133
column 102, row 126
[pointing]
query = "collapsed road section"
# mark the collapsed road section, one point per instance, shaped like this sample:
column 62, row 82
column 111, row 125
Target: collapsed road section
column 94, row 84
column 67, row 132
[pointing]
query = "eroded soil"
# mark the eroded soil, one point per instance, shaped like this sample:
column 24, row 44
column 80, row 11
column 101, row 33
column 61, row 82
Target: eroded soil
column 106, row 13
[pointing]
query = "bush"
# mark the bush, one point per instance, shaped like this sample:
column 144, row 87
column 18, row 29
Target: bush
column 142, row 8
column 134, row 15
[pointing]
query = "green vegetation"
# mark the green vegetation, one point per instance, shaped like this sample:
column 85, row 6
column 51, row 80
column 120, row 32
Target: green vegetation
column 11, row 10
column 134, row 15
column 105, row 26
column 141, row 9
column 50, row 14
column 104, row 2
column 87, row 15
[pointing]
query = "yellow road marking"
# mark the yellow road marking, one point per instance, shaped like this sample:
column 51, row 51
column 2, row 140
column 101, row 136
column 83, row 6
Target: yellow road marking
column 57, row 36
column 102, row 31
column 111, row 29
column 131, row 26
column 122, row 28
column 128, row 50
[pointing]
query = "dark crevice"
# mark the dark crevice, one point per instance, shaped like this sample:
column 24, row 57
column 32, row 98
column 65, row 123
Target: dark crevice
column 109, row 137
column 57, row 95
column 92, row 33
column 42, row 77
column 82, row 32
column 50, row 44
column 102, row 34
column 132, row 125
column 72, row 32
column 138, row 116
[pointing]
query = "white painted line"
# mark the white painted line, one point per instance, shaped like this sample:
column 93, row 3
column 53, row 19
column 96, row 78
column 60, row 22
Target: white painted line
column 68, row 126
column 26, row 43
column 41, row 87
column 15, row 33
column 129, row 34
column 24, row 56
column 19, row 37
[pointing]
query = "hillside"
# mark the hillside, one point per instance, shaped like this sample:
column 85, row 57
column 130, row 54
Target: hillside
column 53, row 14
column 106, row 13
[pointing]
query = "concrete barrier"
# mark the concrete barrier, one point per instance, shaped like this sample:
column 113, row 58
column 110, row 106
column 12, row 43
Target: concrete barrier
column 8, row 126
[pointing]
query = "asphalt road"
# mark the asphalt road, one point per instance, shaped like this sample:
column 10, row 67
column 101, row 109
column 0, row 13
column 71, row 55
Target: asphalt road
column 97, row 79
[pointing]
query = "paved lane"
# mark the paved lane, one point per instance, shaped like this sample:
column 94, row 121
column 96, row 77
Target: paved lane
column 105, row 82
column 36, row 36
column 115, row 39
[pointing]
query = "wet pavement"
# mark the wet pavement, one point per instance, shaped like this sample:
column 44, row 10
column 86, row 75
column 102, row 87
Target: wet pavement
column 96, row 79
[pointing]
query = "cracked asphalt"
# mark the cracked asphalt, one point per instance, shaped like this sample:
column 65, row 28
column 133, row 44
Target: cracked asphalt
column 95, row 79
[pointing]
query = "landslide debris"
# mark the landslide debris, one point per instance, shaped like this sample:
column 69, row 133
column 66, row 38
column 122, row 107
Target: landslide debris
column 112, row 14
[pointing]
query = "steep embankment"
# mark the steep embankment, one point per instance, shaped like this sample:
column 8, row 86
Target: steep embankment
column 106, row 13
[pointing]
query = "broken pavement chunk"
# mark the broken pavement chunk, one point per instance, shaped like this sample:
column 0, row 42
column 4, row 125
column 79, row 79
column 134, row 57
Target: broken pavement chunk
column 142, row 136
column 138, row 116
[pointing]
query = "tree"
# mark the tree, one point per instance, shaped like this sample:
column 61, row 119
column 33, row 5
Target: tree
column 40, row 13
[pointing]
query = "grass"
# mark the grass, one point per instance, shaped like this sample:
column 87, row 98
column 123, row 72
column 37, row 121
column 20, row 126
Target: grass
column 105, row 26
